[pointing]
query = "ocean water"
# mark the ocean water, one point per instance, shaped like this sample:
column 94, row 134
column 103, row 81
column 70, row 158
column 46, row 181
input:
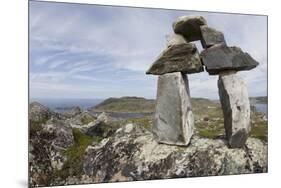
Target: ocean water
column 261, row 108
column 60, row 104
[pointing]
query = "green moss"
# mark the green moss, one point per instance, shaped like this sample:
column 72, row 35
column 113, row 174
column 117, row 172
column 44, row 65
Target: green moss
column 145, row 122
column 74, row 165
column 126, row 104
column 209, row 133
column 259, row 130
column 86, row 120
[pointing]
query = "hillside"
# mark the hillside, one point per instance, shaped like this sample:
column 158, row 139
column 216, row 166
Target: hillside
column 125, row 104
column 142, row 105
column 259, row 100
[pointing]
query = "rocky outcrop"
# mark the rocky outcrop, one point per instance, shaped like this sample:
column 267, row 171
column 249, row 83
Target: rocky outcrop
column 39, row 112
column 81, row 119
column 173, row 117
column 189, row 27
column 46, row 143
column 219, row 58
column 236, row 108
column 133, row 154
column 61, row 130
column 71, row 112
column 177, row 58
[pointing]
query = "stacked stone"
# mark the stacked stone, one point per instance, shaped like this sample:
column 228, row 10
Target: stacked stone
column 174, row 120
column 219, row 59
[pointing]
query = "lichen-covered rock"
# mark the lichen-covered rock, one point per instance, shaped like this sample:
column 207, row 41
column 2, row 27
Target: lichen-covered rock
column 82, row 120
column 211, row 36
column 220, row 58
column 100, row 129
column 39, row 112
column 71, row 112
column 46, row 143
column 236, row 108
column 189, row 27
column 104, row 117
column 62, row 131
column 136, row 155
column 177, row 58
column 174, row 119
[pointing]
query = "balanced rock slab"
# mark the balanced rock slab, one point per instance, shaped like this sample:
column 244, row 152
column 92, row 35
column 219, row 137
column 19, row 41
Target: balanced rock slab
column 236, row 108
column 189, row 27
column 175, row 39
column 177, row 58
column 174, row 119
column 219, row 58
column 211, row 36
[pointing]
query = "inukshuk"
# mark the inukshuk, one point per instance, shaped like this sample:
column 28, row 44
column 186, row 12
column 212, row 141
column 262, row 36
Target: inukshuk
column 174, row 119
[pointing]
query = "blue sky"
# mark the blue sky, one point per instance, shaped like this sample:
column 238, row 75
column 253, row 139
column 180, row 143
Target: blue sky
column 91, row 51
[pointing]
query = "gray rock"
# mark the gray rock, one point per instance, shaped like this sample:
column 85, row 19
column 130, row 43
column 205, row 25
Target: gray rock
column 71, row 112
column 100, row 129
column 46, row 143
column 81, row 119
column 62, row 131
column 177, row 58
column 104, row 117
column 220, row 57
column 174, row 119
column 39, row 113
column 189, row 27
column 174, row 39
column 138, row 156
column 211, row 36
column 236, row 108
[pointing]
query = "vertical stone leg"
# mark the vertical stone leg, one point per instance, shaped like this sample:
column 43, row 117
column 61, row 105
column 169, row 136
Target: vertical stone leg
column 174, row 119
column 236, row 108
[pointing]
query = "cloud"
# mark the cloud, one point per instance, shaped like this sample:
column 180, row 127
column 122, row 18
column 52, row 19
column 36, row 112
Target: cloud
column 104, row 51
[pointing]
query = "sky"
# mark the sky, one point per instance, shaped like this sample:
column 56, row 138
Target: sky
column 94, row 51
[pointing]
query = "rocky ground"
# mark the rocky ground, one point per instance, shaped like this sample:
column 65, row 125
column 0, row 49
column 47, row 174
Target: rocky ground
column 79, row 147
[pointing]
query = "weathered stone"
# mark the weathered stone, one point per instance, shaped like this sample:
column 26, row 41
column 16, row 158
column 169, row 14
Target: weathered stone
column 219, row 58
column 63, row 132
column 189, row 27
column 211, row 36
column 236, row 108
column 71, row 112
column 174, row 39
column 177, row 58
column 136, row 155
column 174, row 119
column 39, row 112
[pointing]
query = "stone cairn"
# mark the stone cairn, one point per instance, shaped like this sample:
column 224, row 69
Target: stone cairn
column 174, row 120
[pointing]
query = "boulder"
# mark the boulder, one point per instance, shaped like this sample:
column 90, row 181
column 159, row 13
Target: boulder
column 189, row 27
column 174, row 39
column 46, row 143
column 62, row 131
column 73, row 111
column 177, row 58
column 136, row 155
column 100, row 129
column 236, row 108
column 81, row 119
column 174, row 119
column 219, row 58
column 211, row 36
column 104, row 117
column 39, row 113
